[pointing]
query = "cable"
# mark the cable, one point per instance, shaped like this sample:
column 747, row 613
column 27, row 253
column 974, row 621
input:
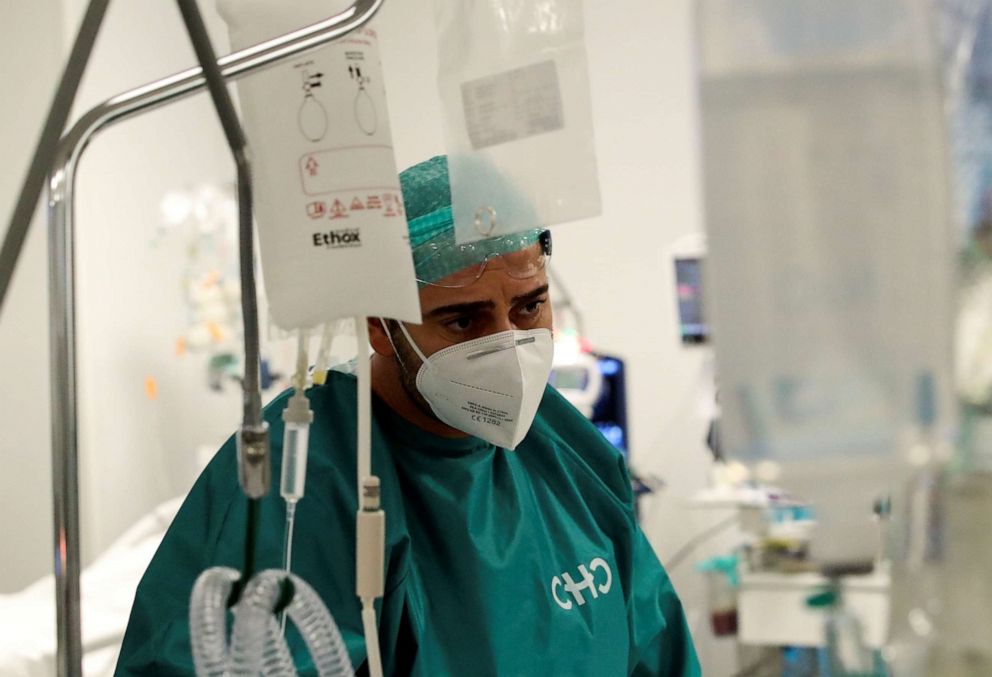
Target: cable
column 370, row 522
column 371, row 639
column 565, row 301
column 248, row 566
column 756, row 668
column 44, row 153
column 253, row 440
column 682, row 553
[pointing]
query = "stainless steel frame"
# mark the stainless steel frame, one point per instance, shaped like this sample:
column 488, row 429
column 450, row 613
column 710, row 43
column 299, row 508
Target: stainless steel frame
column 65, row 443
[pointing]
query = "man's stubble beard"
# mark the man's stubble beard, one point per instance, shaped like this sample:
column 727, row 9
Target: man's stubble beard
column 409, row 364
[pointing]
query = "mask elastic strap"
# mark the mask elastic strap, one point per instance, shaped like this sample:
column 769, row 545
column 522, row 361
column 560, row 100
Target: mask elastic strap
column 422, row 357
column 389, row 337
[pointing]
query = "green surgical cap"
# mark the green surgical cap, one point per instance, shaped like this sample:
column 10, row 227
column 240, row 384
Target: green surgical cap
column 427, row 200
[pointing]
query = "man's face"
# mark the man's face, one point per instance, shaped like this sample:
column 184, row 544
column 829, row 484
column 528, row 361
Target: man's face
column 494, row 303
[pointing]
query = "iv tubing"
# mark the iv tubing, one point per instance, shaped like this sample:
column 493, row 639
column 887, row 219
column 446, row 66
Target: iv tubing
column 364, row 403
column 323, row 355
column 300, row 377
column 295, row 448
column 296, row 433
column 287, row 552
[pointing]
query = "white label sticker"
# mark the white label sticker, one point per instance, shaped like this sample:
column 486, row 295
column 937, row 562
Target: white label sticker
column 513, row 105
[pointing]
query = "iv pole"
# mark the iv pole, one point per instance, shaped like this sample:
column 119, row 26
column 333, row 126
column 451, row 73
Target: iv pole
column 61, row 248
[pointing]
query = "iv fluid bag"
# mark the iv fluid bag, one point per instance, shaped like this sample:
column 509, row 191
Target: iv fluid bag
column 329, row 210
column 830, row 247
column 515, row 93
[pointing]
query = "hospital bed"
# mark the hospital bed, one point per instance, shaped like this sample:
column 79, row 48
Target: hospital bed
column 28, row 642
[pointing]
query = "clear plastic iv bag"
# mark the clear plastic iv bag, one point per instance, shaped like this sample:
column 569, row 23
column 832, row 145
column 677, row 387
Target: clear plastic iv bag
column 332, row 231
column 515, row 91
column 830, row 267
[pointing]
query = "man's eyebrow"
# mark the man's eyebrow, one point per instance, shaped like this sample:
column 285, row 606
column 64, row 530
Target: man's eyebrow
column 531, row 295
column 461, row 309
column 475, row 306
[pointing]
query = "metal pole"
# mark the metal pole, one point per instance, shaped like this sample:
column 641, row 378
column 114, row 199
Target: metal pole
column 65, row 447
column 65, row 476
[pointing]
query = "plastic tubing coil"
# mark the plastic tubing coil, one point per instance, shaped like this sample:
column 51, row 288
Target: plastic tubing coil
column 319, row 630
column 208, row 620
column 254, row 619
column 257, row 644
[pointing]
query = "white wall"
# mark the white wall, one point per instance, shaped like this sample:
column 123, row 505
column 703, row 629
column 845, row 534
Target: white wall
column 31, row 52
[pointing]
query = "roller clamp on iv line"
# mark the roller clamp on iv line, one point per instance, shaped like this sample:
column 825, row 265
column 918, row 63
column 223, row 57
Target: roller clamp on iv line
column 61, row 159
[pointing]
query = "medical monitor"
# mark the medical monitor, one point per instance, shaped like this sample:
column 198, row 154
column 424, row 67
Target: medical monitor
column 693, row 328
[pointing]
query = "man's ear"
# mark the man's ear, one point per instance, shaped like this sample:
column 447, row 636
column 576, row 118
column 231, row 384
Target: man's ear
column 378, row 338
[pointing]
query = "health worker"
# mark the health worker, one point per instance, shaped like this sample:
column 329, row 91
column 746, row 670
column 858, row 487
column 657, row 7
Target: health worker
column 511, row 543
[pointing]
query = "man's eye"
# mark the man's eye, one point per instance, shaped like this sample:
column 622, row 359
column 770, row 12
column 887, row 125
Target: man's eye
column 463, row 323
column 532, row 308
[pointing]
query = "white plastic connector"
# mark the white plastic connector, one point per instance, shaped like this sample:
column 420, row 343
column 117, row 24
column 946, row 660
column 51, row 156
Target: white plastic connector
column 370, row 566
column 298, row 409
column 371, row 542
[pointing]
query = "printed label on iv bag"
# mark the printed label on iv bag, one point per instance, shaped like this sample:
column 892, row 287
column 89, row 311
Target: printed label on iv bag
column 513, row 105
column 518, row 119
column 332, row 232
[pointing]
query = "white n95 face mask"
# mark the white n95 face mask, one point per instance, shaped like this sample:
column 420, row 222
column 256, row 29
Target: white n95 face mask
column 489, row 387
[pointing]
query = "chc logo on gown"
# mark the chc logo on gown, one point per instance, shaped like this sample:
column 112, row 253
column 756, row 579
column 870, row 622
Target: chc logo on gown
column 588, row 583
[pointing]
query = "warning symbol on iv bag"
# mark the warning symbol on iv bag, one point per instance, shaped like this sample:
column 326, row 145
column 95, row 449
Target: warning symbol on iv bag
column 316, row 210
column 338, row 210
column 311, row 166
column 356, row 204
column 373, row 202
column 394, row 206
column 348, row 171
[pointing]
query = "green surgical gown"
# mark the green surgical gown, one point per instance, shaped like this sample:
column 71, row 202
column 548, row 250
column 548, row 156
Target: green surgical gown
column 525, row 562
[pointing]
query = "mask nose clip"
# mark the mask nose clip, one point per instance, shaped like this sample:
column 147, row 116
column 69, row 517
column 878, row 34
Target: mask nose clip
column 488, row 351
column 499, row 348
